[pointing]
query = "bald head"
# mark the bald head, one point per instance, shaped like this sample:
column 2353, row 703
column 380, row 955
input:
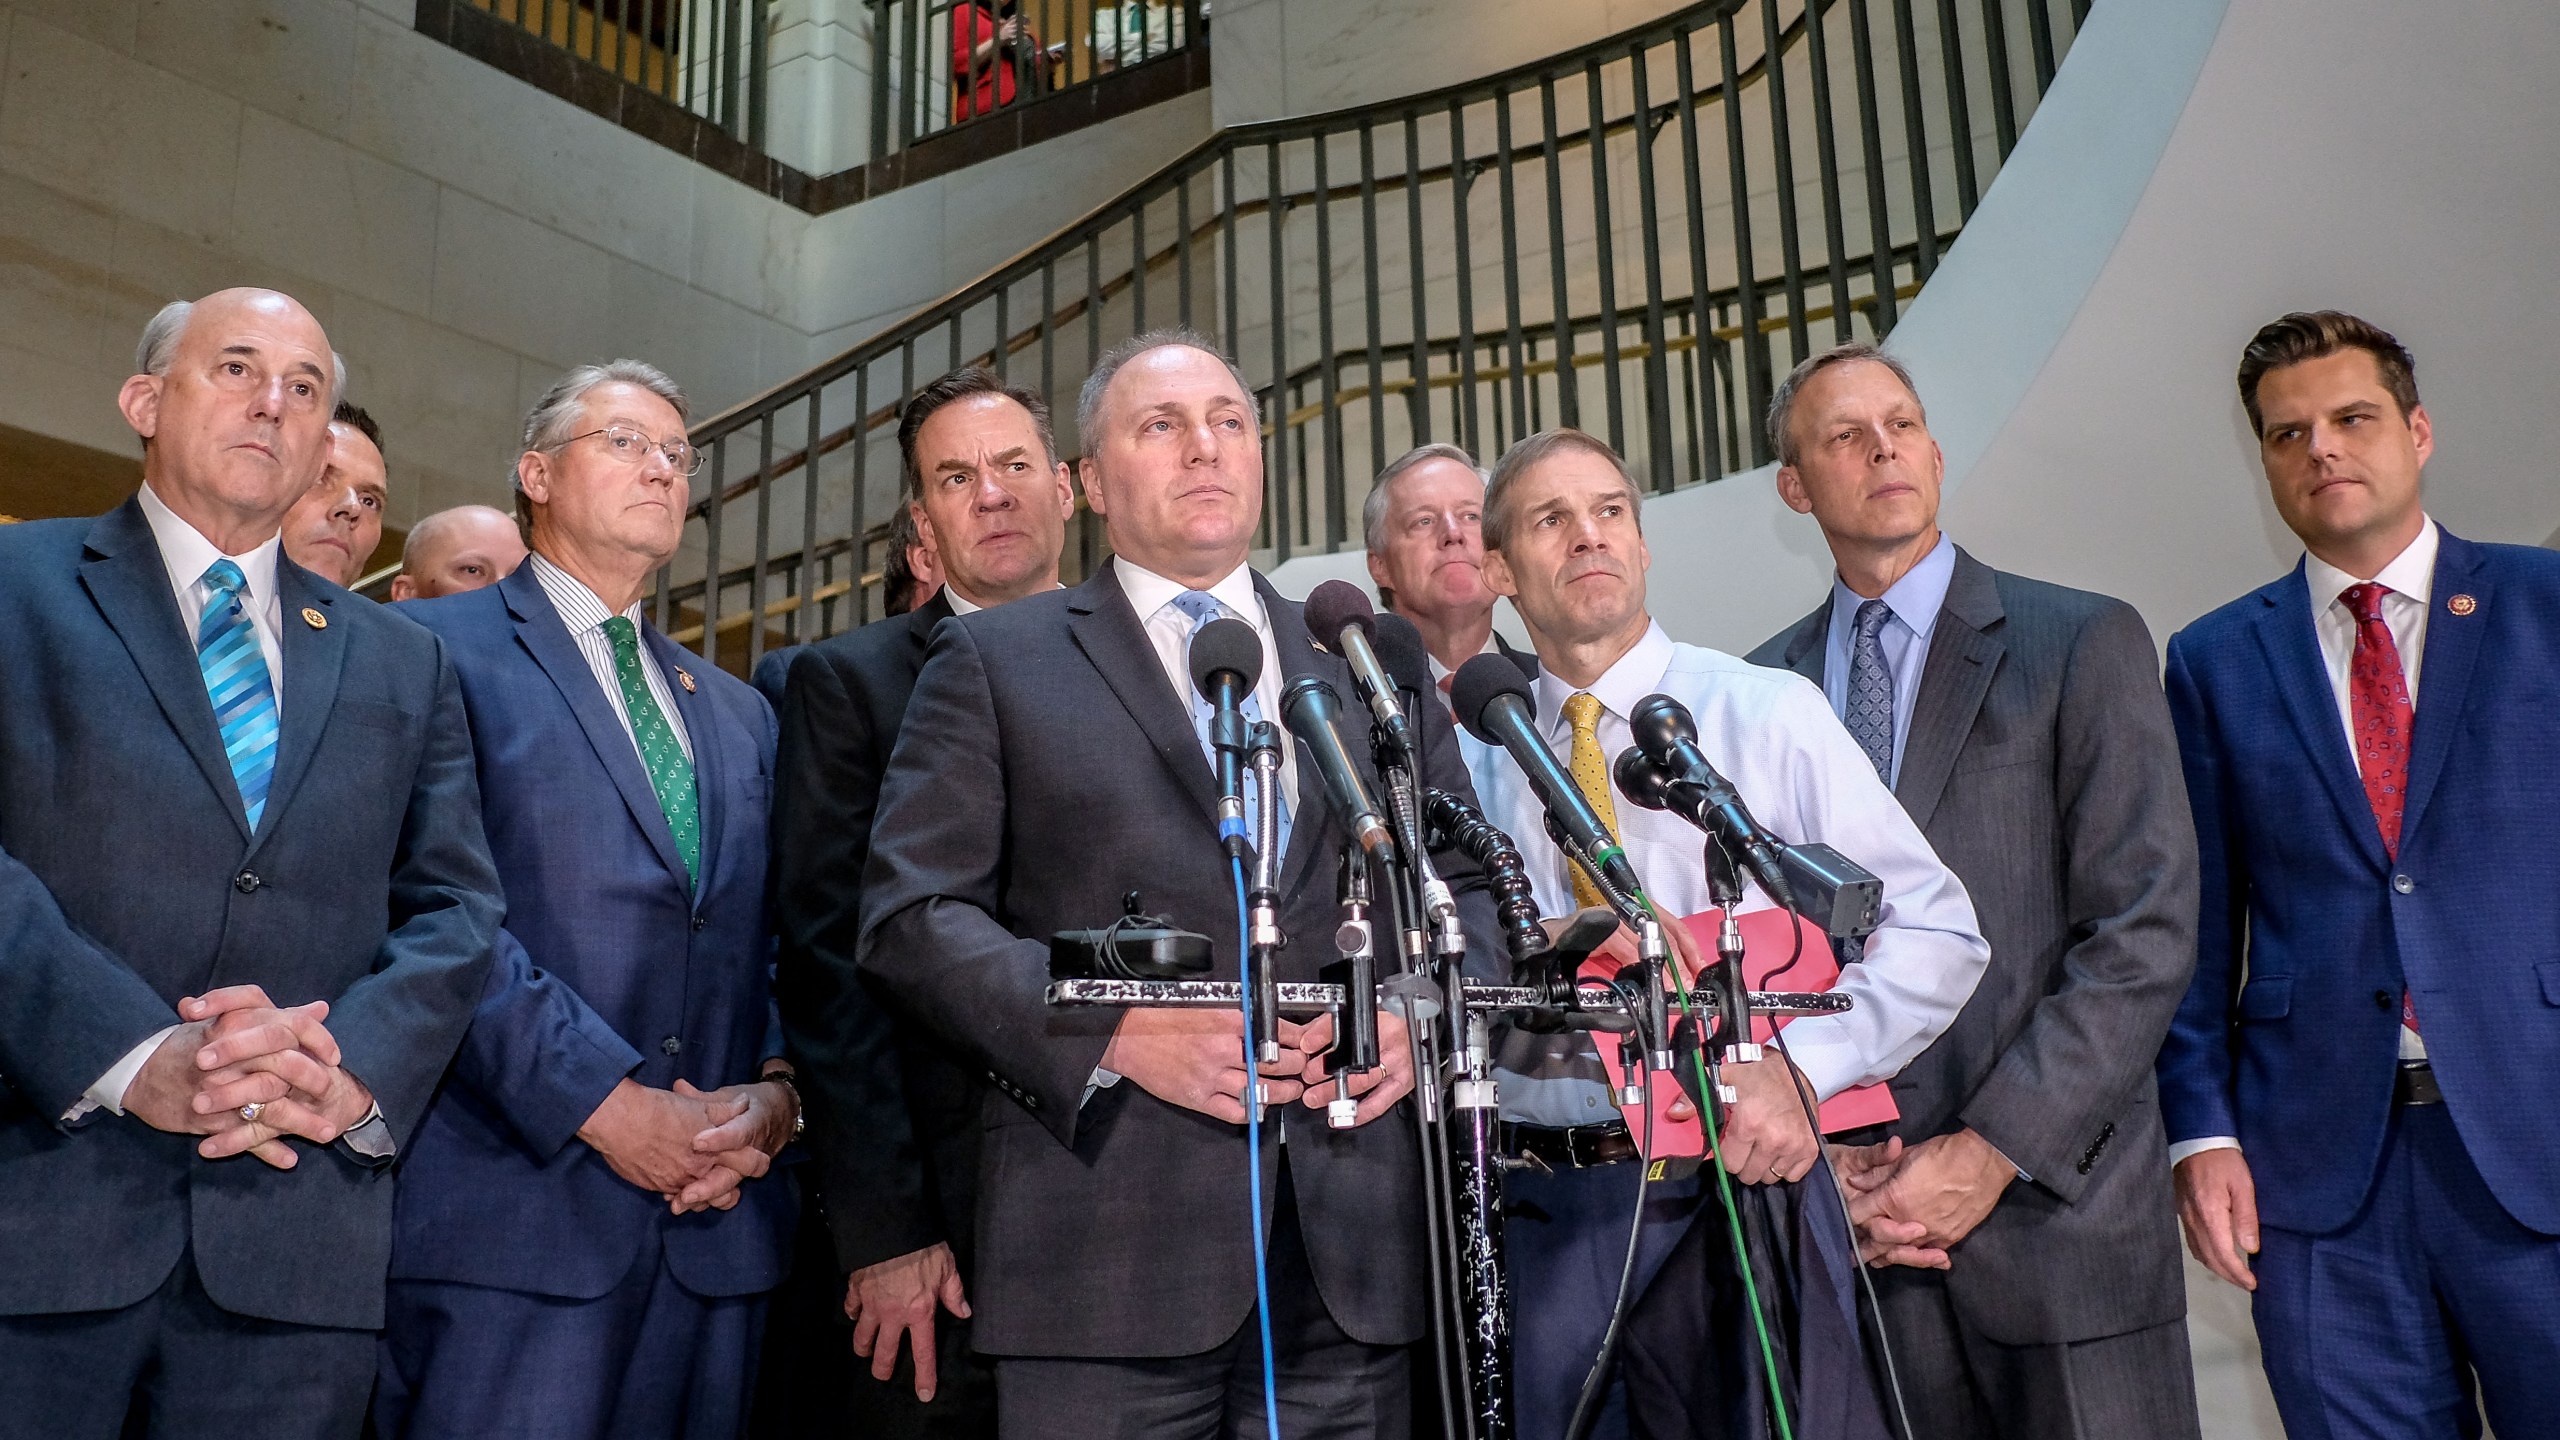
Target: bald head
column 456, row 550
column 232, row 397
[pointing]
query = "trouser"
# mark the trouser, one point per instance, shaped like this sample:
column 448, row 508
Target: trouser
column 1329, row 1386
column 1960, row 1384
column 176, row 1366
column 1564, row 1234
column 2384, row 1328
column 648, row 1358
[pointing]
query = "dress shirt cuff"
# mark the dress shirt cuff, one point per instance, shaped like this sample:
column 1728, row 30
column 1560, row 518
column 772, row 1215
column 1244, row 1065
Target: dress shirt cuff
column 2198, row 1146
column 1101, row 1080
column 108, row 1093
column 370, row 1137
column 2005, row 1160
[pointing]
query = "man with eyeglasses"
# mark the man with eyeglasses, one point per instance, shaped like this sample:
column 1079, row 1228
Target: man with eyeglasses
column 586, row 1227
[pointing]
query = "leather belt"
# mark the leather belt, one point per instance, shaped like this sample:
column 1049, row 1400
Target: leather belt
column 2415, row 1084
column 1579, row 1147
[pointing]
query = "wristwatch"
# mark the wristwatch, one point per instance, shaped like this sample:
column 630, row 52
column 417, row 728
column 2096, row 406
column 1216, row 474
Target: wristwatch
column 789, row 1080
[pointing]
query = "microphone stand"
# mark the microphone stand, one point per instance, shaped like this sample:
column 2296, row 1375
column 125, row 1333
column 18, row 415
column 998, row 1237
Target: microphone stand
column 1262, row 900
column 1355, row 1041
column 1733, row 1015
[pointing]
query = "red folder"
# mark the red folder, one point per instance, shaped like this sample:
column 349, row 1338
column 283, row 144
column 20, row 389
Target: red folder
column 1766, row 946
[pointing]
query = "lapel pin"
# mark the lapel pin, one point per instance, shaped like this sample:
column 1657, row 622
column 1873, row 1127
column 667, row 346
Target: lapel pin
column 318, row 621
column 685, row 678
column 2462, row 604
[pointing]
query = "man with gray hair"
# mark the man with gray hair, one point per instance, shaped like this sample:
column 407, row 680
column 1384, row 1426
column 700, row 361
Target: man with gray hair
column 587, row 1228
column 1424, row 526
column 246, row 904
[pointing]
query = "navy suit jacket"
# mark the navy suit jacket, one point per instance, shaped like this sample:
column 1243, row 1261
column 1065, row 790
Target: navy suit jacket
column 129, row 878
column 612, row 965
column 2289, row 1035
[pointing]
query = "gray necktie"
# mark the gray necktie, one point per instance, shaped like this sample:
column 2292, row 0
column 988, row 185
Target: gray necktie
column 1870, row 708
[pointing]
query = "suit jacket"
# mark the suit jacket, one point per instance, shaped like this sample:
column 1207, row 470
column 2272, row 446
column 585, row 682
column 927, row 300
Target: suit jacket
column 2289, row 1036
column 893, row 1110
column 129, row 878
column 1046, row 768
column 614, row 965
column 2040, row 765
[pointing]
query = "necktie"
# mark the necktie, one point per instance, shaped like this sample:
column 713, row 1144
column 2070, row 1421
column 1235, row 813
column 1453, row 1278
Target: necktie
column 670, row 773
column 2378, row 702
column 236, row 679
column 1870, row 709
column 1203, row 607
column 1590, row 770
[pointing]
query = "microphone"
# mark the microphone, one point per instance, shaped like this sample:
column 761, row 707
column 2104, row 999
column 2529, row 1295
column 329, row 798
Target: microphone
column 1667, row 735
column 1493, row 701
column 1401, row 651
column 1313, row 711
column 1226, row 663
column 1344, row 622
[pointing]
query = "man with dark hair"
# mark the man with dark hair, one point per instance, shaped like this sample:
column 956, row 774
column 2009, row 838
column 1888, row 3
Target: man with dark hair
column 333, row 530
column 910, row 576
column 893, row 1115
column 2022, row 726
column 2356, row 1086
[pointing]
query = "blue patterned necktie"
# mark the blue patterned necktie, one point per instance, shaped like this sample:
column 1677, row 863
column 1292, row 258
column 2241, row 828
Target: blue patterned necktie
column 1870, row 709
column 236, row 679
column 1203, row 607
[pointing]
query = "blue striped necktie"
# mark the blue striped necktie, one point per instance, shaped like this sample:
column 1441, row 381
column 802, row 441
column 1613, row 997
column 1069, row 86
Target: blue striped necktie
column 1203, row 607
column 235, row 677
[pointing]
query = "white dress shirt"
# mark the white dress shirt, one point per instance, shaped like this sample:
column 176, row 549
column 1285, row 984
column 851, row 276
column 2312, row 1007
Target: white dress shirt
column 585, row 615
column 1771, row 733
column 1169, row 630
column 2411, row 579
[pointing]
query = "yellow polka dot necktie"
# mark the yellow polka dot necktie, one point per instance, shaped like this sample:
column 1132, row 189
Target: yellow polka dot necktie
column 1591, row 776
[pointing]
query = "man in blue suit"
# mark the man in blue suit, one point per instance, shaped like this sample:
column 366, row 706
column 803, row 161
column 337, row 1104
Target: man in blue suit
column 245, row 908
column 587, row 1228
column 2357, row 1085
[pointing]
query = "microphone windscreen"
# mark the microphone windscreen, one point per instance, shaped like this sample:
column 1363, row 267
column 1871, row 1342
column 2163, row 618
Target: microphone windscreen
column 1639, row 780
column 1337, row 603
column 1401, row 653
column 1478, row 684
column 1226, row 644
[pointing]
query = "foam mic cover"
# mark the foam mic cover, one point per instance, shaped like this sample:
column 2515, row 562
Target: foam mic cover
column 1335, row 604
column 1227, row 646
column 1479, row 683
column 1401, row 651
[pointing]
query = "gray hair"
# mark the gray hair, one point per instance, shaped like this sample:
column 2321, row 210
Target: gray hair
column 1373, row 512
column 159, row 346
column 1782, row 401
column 546, row 425
column 1106, row 368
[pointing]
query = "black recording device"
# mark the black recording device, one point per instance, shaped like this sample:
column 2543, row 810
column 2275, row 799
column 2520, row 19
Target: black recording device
column 1137, row 946
column 1495, row 703
column 1343, row 621
column 1313, row 712
column 1226, row 663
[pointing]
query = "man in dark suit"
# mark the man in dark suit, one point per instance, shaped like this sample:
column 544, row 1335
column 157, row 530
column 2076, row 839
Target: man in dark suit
column 245, row 907
column 2356, row 1086
column 2038, row 1291
column 1049, row 765
column 586, row 1225
column 893, row 1113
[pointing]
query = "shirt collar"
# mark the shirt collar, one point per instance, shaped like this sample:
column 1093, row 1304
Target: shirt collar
column 1150, row 592
column 2412, row 572
column 580, row 608
column 1636, row 674
column 1915, row 599
column 187, row 554
column 1492, row 646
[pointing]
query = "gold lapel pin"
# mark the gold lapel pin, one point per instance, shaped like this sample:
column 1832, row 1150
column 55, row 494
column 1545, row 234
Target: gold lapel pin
column 318, row 621
column 685, row 679
column 2462, row 604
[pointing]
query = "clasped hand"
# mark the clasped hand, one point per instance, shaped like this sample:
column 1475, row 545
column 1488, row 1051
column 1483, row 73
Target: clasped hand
column 1912, row 1205
column 1195, row 1059
column 234, row 1049
column 693, row 1148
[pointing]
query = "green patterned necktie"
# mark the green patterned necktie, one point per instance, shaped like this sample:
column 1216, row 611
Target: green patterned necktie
column 670, row 773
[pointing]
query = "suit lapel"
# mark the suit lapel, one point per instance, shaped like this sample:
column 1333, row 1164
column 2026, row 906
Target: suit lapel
column 2292, row 647
column 920, row 623
column 129, row 582
column 1964, row 653
column 1807, row 650
column 314, row 657
column 545, row 636
column 1112, row 638
column 2452, row 650
column 702, row 727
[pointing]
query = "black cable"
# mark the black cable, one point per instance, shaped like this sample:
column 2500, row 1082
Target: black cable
column 1586, row 1409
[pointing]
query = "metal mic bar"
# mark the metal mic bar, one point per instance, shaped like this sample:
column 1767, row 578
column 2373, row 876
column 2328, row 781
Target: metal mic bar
column 1262, row 928
column 1302, row 998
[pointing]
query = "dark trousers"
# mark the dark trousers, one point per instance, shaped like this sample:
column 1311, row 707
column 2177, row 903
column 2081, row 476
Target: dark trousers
column 1564, row 1234
column 648, row 1358
column 1962, row 1385
column 1330, row 1386
column 178, row 1367
column 2385, row 1327
column 811, row 1386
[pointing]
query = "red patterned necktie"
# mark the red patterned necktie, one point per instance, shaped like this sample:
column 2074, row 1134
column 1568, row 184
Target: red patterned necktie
column 2378, row 699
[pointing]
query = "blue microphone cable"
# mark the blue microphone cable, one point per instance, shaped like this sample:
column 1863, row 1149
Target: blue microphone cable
column 1253, row 1166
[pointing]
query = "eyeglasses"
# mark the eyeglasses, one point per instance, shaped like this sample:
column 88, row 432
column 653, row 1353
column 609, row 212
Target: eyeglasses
column 632, row 448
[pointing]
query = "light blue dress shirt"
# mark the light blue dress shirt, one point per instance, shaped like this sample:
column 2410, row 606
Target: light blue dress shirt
column 1915, row 601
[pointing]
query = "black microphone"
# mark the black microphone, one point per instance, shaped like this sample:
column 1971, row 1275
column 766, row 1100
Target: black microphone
column 1226, row 663
column 1314, row 711
column 1495, row 703
column 1401, row 651
column 1344, row 622
column 1667, row 735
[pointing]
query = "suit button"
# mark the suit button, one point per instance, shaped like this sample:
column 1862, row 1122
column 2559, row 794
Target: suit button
column 671, row 1045
column 698, row 923
column 2385, row 1000
column 2403, row 884
column 247, row 882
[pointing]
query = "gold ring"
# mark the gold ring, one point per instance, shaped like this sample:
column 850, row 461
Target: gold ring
column 251, row 1111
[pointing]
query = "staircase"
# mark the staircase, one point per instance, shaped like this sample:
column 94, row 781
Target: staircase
column 1638, row 238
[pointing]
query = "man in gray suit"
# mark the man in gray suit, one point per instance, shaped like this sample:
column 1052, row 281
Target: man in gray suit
column 2020, row 1213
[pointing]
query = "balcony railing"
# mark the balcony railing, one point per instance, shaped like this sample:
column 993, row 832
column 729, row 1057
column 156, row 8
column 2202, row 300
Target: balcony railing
column 707, row 56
